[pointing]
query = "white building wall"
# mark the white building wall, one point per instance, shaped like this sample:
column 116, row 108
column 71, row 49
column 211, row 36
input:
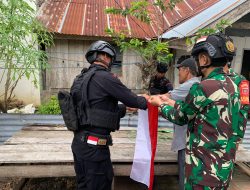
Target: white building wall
column 131, row 74
column 25, row 89
column 241, row 44
column 67, row 58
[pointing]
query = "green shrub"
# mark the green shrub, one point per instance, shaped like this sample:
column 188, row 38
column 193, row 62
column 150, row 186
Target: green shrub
column 51, row 107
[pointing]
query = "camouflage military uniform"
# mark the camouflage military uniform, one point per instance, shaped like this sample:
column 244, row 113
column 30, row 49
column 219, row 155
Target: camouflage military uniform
column 243, row 114
column 210, row 109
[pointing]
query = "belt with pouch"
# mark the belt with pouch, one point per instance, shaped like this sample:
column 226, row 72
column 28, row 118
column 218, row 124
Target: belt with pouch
column 96, row 139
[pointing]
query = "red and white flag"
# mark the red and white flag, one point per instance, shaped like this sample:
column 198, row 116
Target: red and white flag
column 145, row 147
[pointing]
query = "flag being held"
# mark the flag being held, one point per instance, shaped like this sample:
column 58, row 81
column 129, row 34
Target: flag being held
column 145, row 147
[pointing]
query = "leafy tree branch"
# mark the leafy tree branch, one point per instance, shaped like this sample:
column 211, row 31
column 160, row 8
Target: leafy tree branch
column 150, row 50
column 20, row 37
column 219, row 27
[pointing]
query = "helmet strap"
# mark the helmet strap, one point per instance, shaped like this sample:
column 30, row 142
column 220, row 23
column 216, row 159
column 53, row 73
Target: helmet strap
column 200, row 68
column 205, row 66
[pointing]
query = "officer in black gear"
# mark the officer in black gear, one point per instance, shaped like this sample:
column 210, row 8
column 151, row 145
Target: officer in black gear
column 159, row 84
column 91, row 142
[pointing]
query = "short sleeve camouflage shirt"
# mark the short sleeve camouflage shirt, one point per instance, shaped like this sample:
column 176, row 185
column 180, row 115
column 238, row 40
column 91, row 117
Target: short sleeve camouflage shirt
column 210, row 110
column 243, row 113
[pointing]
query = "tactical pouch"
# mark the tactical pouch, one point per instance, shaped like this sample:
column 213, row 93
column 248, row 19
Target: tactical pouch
column 103, row 119
column 68, row 110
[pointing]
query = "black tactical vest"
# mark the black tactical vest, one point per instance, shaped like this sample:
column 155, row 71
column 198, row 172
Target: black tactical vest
column 86, row 115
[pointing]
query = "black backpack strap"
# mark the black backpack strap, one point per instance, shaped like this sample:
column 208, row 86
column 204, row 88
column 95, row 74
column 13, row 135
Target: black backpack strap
column 84, row 87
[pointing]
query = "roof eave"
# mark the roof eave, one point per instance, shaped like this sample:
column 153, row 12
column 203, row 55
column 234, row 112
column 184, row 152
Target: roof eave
column 192, row 25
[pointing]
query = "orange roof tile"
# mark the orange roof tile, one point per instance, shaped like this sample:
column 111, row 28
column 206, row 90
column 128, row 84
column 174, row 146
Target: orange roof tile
column 88, row 17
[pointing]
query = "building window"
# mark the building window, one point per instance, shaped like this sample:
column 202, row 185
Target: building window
column 117, row 65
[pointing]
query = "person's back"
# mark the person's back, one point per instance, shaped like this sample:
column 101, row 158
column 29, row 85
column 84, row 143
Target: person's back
column 98, row 114
column 217, row 99
column 209, row 137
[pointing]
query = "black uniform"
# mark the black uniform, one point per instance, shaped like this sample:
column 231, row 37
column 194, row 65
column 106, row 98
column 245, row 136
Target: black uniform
column 92, row 162
column 159, row 85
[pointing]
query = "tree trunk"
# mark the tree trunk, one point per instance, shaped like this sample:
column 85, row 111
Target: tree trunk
column 147, row 71
column 7, row 85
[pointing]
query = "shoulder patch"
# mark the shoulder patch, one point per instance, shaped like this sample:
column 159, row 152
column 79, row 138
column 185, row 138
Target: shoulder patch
column 244, row 92
column 230, row 46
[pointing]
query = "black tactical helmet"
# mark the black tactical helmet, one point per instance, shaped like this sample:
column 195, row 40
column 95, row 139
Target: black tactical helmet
column 162, row 67
column 100, row 46
column 218, row 46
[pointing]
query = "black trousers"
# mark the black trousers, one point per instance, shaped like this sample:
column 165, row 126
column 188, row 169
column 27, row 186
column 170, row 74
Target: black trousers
column 93, row 175
column 181, row 168
column 92, row 163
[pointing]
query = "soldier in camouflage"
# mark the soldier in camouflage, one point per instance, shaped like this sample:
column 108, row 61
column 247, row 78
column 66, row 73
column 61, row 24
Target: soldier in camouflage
column 211, row 111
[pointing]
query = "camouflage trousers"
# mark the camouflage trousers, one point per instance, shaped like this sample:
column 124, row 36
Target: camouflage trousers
column 189, row 186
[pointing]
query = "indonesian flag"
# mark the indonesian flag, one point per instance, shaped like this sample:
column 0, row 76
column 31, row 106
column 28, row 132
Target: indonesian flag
column 145, row 147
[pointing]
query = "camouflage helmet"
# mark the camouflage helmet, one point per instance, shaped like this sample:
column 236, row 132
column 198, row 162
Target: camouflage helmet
column 98, row 47
column 219, row 47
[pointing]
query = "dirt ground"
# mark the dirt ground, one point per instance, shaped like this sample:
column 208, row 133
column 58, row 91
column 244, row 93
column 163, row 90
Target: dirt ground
column 61, row 183
column 241, row 181
column 8, row 183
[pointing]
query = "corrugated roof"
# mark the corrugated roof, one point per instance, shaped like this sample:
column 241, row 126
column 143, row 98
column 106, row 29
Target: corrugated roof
column 88, row 18
column 203, row 19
